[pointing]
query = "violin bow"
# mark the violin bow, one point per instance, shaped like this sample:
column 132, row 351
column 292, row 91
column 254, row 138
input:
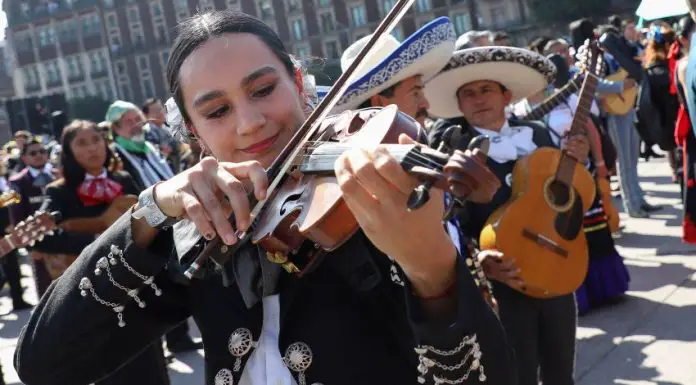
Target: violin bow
column 278, row 170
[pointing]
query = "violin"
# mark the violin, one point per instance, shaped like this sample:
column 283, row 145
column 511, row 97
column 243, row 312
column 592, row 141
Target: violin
column 304, row 200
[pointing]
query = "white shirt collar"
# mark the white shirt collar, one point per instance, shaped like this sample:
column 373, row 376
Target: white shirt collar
column 100, row 176
column 45, row 170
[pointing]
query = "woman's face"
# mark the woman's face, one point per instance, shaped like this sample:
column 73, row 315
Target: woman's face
column 241, row 106
column 89, row 149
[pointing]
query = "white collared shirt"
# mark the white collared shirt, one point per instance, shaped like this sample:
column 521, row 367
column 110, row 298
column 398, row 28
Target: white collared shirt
column 103, row 175
column 265, row 366
column 35, row 171
column 509, row 143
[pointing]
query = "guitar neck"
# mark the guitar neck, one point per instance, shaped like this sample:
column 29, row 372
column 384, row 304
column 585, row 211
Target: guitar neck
column 554, row 100
column 566, row 166
column 6, row 246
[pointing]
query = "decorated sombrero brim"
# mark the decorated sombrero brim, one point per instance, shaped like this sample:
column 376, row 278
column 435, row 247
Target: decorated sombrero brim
column 521, row 71
column 423, row 53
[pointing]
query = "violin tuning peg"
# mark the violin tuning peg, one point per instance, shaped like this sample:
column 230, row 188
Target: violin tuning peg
column 419, row 197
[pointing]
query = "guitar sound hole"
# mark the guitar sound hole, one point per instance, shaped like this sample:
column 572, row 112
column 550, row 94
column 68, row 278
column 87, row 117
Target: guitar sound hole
column 560, row 193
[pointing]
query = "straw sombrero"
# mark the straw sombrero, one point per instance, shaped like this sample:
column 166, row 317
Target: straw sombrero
column 423, row 53
column 521, row 71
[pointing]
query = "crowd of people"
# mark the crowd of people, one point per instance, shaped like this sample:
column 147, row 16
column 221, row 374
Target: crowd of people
column 404, row 299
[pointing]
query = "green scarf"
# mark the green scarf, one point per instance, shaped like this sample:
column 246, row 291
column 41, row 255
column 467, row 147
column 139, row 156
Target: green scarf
column 132, row 146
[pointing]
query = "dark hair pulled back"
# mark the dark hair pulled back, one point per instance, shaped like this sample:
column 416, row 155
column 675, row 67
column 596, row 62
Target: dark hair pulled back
column 197, row 30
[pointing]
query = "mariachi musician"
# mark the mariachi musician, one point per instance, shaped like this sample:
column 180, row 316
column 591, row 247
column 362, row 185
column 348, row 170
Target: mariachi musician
column 475, row 87
column 349, row 321
column 90, row 197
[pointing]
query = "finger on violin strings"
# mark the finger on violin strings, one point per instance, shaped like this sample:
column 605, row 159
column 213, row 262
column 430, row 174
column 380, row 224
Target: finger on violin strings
column 251, row 170
column 362, row 164
column 196, row 213
column 358, row 199
column 213, row 206
column 237, row 197
column 391, row 171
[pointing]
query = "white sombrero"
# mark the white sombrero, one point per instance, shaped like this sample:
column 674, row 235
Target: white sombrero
column 423, row 53
column 521, row 71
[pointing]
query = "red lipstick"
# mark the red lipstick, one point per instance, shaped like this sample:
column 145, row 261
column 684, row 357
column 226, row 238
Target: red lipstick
column 261, row 146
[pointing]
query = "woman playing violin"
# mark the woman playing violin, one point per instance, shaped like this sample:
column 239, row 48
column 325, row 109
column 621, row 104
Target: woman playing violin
column 395, row 304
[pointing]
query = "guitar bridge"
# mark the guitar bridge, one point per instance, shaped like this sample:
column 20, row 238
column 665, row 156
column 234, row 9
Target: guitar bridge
column 545, row 242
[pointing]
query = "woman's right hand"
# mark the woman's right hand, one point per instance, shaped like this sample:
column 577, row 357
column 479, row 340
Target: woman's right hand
column 209, row 192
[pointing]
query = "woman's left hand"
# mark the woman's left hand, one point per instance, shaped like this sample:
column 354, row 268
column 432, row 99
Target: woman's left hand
column 376, row 190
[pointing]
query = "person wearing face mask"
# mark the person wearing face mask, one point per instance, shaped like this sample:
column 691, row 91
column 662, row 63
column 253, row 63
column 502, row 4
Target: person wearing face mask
column 377, row 82
column 394, row 304
column 140, row 158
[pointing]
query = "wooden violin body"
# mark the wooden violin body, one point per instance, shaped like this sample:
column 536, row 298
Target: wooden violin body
column 546, row 239
column 309, row 204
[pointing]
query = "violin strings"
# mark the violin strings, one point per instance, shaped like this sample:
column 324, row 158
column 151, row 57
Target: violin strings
column 338, row 149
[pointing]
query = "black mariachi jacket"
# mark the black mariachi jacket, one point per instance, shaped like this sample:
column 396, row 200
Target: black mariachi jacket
column 361, row 323
column 474, row 215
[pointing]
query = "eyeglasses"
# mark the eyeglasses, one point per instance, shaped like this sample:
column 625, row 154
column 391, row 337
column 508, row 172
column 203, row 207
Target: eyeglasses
column 37, row 152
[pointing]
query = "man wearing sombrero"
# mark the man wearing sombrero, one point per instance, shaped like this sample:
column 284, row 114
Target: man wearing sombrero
column 396, row 72
column 474, row 88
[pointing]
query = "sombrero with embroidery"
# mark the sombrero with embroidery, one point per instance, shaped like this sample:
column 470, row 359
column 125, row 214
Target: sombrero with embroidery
column 423, row 53
column 521, row 71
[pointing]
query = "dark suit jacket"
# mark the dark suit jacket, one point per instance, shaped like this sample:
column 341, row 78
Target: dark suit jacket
column 32, row 196
column 64, row 199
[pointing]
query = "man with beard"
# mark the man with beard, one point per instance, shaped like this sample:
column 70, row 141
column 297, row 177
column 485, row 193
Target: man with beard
column 397, row 72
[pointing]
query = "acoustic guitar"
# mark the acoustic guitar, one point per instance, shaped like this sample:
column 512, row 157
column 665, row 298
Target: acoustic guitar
column 29, row 231
column 619, row 104
column 541, row 225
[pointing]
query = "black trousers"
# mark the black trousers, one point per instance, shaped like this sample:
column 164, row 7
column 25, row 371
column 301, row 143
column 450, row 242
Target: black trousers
column 10, row 265
column 178, row 334
column 542, row 333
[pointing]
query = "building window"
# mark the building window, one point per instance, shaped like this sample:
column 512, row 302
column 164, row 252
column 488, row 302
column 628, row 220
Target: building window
column 324, row 3
column 143, row 63
column 302, row 51
column 148, row 87
column 387, row 5
column 358, row 15
column 111, row 20
column 91, row 25
column 103, row 89
column 30, row 78
column 47, row 36
column 331, row 49
column 108, row 3
column 423, row 5
column 74, row 66
column 133, row 14
column 461, row 22
column 233, row 4
column 292, row 5
column 327, row 21
column 126, row 92
column 181, row 9
column 68, row 30
column 156, row 9
column 22, row 41
column 207, row 5
column 79, row 92
column 498, row 15
column 265, row 9
column 164, row 58
column 53, row 73
column 121, row 69
column 398, row 33
column 298, row 29
column 97, row 62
